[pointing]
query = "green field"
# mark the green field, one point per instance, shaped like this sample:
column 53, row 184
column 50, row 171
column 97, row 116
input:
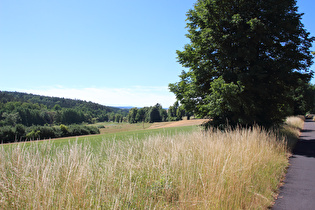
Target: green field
column 116, row 132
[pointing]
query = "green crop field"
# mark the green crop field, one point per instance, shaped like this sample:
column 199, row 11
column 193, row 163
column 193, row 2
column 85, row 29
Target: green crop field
column 117, row 132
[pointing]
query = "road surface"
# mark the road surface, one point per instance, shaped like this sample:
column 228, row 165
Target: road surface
column 298, row 191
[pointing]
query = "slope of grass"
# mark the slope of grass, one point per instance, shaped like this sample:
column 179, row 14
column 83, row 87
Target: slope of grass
column 237, row 169
column 111, row 127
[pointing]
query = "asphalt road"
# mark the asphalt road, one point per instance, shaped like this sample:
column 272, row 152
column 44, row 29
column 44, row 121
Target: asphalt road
column 298, row 191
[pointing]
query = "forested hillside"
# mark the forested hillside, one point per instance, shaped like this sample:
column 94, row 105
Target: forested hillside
column 27, row 116
column 29, row 109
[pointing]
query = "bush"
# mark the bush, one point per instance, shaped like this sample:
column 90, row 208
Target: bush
column 47, row 132
column 93, row 129
column 20, row 132
column 7, row 134
column 64, row 130
column 77, row 130
column 58, row 132
column 33, row 135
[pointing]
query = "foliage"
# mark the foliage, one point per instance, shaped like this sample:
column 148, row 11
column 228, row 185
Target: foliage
column 21, row 133
column 258, row 50
column 141, row 115
column 119, row 118
column 172, row 112
column 157, row 113
column 163, row 115
column 147, row 114
column 132, row 115
column 64, row 129
column 223, row 102
column 28, row 109
column 303, row 99
column 176, row 112
column 154, row 115
column 7, row 134
column 71, row 116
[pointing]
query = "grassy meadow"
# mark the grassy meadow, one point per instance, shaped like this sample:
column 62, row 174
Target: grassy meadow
column 168, row 168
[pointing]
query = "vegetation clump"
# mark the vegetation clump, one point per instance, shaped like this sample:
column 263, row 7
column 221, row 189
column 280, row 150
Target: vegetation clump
column 22, row 133
column 157, row 114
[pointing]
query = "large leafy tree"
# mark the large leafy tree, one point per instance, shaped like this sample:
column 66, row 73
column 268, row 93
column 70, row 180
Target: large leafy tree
column 244, row 58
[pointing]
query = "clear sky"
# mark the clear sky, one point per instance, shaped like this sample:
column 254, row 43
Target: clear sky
column 116, row 53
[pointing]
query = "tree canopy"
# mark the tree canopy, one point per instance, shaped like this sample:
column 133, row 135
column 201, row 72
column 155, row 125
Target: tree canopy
column 29, row 109
column 147, row 114
column 244, row 60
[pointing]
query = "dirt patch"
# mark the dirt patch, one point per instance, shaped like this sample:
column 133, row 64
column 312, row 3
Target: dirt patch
column 178, row 123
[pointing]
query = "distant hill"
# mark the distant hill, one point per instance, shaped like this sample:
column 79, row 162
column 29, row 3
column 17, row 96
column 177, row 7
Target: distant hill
column 130, row 107
column 124, row 107
column 28, row 109
column 50, row 102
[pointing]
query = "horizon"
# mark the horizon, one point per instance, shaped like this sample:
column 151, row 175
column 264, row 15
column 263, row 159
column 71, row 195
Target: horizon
column 107, row 52
column 76, row 99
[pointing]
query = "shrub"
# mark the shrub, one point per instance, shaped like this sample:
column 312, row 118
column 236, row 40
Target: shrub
column 58, row 132
column 47, row 132
column 77, row 130
column 21, row 133
column 7, row 134
column 64, row 129
column 33, row 135
column 93, row 129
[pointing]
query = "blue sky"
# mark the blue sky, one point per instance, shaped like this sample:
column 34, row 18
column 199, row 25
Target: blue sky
column 116, row 53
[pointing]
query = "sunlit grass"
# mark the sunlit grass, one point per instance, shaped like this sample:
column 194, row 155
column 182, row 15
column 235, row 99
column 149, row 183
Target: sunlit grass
column 236, row 169
column 295, row 121
column 111, row 127
column 291, row 130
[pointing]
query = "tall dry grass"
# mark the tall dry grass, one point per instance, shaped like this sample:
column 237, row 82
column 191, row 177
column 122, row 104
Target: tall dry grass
column 291, row 130
column 295, row 122
column 237, row 169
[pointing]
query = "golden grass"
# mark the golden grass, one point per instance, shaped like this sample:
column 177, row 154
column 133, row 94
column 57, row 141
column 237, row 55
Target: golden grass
column 295, row 121
column 292, row 129
column 236, row 169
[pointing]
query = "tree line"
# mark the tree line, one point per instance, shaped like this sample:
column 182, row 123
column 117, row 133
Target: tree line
column 20, row 132
column 156, row 113
column 29, row 109
column 50, row 102
column 27, row 116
